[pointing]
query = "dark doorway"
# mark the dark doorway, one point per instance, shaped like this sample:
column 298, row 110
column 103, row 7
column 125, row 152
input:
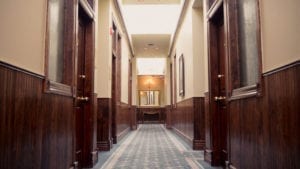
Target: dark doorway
column 116, row 81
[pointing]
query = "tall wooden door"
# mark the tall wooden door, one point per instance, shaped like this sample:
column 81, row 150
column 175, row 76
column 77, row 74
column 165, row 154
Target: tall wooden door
column 220, row 98
column 81, row 99
column 217, row 90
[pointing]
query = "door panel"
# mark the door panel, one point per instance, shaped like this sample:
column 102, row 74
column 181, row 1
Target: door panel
column 221, row 103
column 80, row 103
column 216, row 150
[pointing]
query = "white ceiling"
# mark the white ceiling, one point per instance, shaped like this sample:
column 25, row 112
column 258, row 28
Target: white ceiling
column 151, row 19
column 151, row 66
column 151, row 25
column 151, row 45
column 151, row 22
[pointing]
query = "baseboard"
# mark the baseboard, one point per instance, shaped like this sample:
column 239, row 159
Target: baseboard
column 168, row 126
column 134, row 127
column 121, row 135
column 230, row 166
column 104, row 145
column 208, row 156
column 198, row 144
column 186, row 138
column 94, row 157
column 212, row 157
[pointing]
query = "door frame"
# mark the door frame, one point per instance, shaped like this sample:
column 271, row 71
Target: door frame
column 116, row 79
column 89, row 151
column 213, row 149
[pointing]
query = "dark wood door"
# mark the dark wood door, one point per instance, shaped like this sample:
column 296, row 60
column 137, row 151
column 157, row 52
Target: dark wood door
column 81, row 99
column 221, row 92
column 216, row 147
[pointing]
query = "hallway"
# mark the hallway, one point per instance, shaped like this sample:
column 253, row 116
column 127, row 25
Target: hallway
column 152, row 146
column 105, row 84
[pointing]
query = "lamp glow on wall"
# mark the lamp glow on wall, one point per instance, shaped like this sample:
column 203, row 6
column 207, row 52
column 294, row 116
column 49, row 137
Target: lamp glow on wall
column 149, row 82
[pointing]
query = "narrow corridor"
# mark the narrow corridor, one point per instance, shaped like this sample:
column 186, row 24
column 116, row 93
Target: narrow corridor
column 167, row 84
column 152, row 146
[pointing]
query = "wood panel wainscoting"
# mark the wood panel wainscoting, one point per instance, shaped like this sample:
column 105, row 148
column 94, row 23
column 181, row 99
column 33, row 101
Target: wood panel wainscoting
column 104, row 126
column 188, row 121
column 134, row 124
column 168, row 120
column 36, row 128
column 104, row 138
column 151, row 114
column 123, row 120
column 266, row 129
column 208, row 130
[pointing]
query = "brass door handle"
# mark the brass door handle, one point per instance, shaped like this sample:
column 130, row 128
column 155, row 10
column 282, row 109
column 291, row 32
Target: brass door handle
column 82, row 76
column 83, row 98
column 220, row 76
column 219, row 98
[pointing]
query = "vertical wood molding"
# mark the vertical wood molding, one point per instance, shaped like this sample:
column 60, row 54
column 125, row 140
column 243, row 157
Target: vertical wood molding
column 168, row 121
column 133, row 117
column 123, row 121
column 104, row 139
column 199, row 123
column 208, row 148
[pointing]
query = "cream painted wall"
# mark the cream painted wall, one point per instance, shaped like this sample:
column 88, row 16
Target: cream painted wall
column 205, row 49
column 103, row 50
column 22, row 32
column 134, row 82
column 96, row 46
column 190, row 43
column 184, row 45
column 107, row 13
column 167, row 83
column 280, row 27
column 125, row 56
column 198, row 52
column 124, row 71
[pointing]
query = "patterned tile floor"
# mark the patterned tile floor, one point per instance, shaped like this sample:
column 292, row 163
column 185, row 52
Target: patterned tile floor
column 151, row 147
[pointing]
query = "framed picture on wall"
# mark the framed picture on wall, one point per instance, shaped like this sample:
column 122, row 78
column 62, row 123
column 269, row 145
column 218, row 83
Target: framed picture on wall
column 181, row 75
